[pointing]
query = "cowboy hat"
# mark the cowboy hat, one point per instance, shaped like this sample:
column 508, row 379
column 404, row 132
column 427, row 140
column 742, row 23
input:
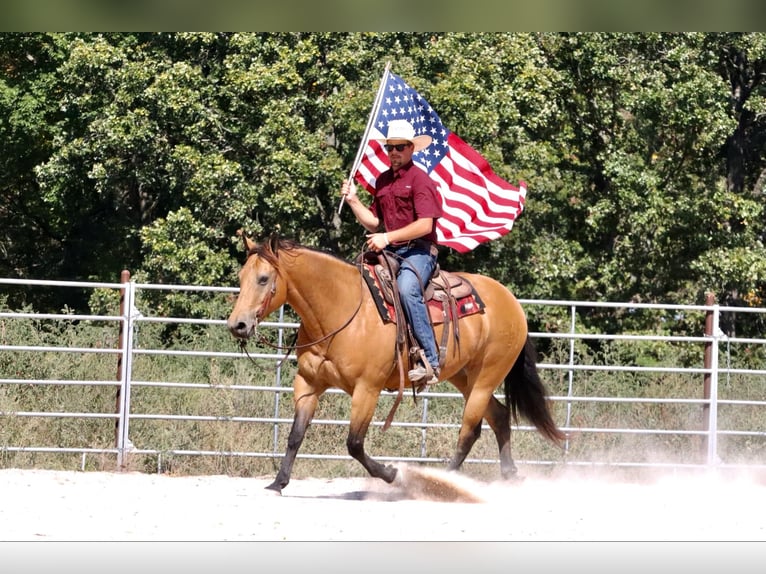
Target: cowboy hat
column 403, row 130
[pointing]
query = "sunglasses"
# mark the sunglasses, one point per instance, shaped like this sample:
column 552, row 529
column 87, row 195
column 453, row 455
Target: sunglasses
column 397, row 147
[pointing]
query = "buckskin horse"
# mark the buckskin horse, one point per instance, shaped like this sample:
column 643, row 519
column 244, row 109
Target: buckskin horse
column 343, row 342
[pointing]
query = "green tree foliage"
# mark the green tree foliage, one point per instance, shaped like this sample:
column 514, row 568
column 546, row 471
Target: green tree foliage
column 27, row 78
column 643, row 153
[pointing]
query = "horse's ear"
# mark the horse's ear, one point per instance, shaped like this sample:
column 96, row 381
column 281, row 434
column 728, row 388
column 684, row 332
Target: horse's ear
column 274, row 241
column 246, row 241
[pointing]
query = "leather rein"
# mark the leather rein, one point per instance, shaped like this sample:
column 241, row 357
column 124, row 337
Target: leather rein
column 294, row 346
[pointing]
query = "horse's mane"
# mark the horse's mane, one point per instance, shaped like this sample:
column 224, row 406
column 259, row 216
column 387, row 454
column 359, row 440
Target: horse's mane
column 271, row 248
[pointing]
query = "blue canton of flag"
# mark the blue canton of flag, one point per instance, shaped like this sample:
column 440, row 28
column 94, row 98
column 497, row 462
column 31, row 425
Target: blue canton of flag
column 400, row 102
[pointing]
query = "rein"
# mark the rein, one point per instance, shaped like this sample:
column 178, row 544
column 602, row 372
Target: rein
column 293, row 346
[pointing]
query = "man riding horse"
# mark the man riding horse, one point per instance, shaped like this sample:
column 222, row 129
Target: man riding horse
column 402, row 219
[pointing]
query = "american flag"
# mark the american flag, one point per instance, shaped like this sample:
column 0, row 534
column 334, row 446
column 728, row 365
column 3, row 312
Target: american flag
column 477, row 205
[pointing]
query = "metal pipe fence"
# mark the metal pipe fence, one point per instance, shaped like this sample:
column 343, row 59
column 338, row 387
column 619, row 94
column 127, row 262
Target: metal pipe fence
column 711, row 398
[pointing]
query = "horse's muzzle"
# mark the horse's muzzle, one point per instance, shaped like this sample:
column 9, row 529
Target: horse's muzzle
column 242, row 329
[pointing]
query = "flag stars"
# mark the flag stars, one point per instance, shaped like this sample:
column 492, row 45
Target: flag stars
column 426, row 162
column 402, row 102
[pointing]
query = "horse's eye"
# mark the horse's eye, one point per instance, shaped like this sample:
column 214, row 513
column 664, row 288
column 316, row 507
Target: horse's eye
column 263, row 279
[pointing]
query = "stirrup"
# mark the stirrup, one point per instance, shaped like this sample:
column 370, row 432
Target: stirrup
column 420, row 372
column 423, row 376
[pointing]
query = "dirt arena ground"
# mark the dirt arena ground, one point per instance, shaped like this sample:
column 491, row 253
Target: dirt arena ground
column 423, row 506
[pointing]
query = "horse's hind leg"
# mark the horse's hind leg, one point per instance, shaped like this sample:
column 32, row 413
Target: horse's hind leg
column 305, row 405
column 499, row 418
column 470, row 430
column 464, row 445
column 363, row 403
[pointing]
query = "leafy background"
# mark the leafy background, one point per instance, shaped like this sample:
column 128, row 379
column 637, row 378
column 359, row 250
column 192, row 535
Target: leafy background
column 643, row 153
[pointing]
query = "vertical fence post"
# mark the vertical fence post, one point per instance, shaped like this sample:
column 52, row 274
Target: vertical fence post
column 710, row 383
column 127, row 303
column 424, row 429
column 570, row 373
column 124, row 279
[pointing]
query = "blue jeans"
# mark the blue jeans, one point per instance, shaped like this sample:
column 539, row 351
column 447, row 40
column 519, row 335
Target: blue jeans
column 411, row 291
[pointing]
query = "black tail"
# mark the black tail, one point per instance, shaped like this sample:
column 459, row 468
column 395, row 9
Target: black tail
column 525, row 394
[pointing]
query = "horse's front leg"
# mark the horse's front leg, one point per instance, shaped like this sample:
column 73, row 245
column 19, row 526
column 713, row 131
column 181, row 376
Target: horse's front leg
column 363, row 403
column 306, row 399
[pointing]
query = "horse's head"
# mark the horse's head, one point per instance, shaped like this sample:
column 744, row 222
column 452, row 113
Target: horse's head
column 260, row 290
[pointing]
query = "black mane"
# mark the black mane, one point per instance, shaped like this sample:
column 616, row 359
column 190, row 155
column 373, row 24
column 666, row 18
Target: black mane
column 270, row 248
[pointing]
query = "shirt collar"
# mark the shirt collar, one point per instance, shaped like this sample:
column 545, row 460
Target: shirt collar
column 402, row 171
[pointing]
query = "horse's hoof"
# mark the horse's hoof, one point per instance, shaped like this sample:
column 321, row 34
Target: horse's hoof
column 514, row 479
column 398, row 477
column 274, row 490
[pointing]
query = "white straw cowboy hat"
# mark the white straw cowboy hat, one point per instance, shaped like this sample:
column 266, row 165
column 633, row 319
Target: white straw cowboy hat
column 403, row 130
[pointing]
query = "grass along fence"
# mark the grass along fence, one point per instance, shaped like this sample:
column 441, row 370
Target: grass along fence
column 141, row 389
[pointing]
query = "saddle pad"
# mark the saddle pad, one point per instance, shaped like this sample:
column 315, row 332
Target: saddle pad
column 467, row 305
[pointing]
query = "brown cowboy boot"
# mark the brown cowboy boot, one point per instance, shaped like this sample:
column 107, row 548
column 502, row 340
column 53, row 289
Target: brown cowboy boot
column 423, row 376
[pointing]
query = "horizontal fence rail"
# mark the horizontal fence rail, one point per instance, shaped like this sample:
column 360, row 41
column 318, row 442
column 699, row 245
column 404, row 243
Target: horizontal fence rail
column 235, row 405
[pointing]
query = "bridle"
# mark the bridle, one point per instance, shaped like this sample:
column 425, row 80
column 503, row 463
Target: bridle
column 294, row 346
column 267, row 301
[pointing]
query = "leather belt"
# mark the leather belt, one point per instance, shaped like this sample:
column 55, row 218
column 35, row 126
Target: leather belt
column 423, row 244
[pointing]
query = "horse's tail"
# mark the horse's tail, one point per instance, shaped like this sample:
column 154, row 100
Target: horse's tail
column 525, row 394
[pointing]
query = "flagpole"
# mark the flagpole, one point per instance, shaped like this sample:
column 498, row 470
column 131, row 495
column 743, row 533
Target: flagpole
column 363, row 143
